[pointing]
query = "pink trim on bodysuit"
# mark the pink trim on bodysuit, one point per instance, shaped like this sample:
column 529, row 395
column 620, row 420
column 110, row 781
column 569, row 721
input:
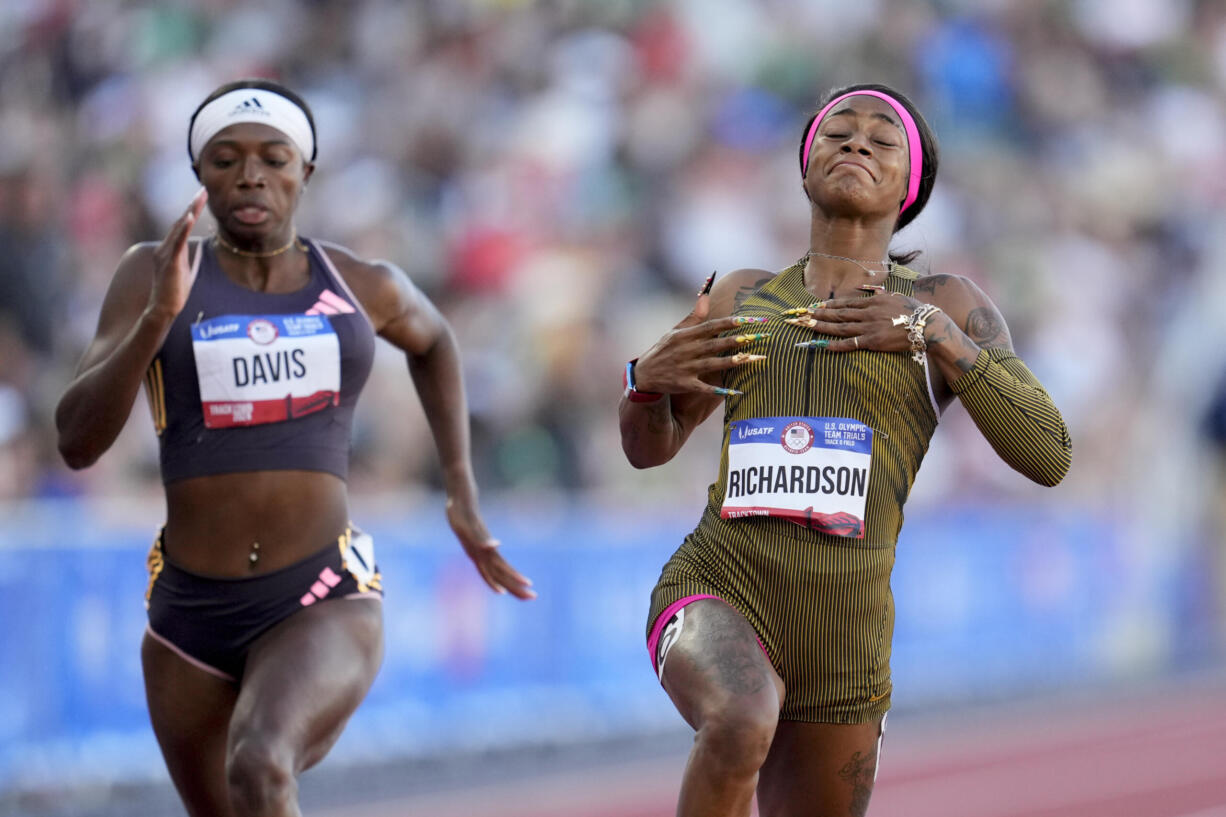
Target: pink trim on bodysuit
column 195, row 662
column 657, row 629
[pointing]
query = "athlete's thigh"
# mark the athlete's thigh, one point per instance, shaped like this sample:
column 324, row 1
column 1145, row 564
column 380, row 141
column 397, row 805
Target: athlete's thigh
column 307, row 675
column 190, row 711
column 716, row 665
column 819, row 769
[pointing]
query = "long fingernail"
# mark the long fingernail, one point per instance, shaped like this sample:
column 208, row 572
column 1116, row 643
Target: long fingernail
column 706, row 287
column 741, row 319
column 751, row 338
column 808, row 323
column 820, row 343
column 723, row 391
column 800, row 310
column 744, row 357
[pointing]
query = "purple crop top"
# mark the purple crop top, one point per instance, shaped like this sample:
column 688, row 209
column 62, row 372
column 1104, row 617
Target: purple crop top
column 252, row 381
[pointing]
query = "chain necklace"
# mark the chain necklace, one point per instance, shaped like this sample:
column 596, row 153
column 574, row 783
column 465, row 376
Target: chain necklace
column 249, row 254
column 889, row 265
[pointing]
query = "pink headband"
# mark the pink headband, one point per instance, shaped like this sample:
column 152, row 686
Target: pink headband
column 915, row 154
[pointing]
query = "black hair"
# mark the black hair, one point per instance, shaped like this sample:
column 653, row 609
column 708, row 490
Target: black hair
column 261, row 85
column 929, row 151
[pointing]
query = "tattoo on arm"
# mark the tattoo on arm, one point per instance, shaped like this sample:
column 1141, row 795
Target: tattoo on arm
column 931, row 283
column 660, row 416
column 966, row 356
column 744, row 292
column 985, row 327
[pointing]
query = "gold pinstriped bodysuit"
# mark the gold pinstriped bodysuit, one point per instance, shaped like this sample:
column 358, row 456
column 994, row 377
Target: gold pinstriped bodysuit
column 821, row 604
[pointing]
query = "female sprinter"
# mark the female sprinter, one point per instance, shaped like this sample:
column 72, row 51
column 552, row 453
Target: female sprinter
column 265, row 622
column 771, row 625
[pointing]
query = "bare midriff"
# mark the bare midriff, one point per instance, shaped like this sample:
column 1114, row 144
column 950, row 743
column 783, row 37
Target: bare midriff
column 215, row 524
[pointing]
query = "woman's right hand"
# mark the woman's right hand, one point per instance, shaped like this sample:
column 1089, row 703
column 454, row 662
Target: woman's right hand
column 677, row 363
column 172, row 275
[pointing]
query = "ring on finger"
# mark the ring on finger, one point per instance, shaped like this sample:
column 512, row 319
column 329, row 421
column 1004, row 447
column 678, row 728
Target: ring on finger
column 856, row 341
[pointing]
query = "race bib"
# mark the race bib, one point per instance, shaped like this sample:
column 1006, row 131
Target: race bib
column 811, row 470
column 256, row 369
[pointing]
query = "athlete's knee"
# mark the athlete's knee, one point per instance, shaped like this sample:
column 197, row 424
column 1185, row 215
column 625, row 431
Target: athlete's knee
column 737, row 736
column 261, row 777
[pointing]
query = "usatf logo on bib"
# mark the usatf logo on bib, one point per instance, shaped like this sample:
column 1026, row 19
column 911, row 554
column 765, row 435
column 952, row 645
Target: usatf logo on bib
column 256, row 369
column 811, row 470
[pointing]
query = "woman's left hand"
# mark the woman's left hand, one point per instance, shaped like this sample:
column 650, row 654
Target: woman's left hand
column 876, row 323
column 482, row 548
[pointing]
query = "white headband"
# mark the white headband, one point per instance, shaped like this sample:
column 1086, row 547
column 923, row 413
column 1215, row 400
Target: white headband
column 251, row 105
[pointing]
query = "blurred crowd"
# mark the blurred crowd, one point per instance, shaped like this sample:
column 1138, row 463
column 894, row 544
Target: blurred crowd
column 560, row 176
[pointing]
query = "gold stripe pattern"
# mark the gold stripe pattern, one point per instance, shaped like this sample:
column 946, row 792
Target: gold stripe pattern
column 1016, row 416
column 155, row 391
column 154, row 563
column 820, row 603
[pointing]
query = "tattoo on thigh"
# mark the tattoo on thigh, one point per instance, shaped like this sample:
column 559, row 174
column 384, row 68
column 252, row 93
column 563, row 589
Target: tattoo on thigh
column 859, row 773
column 734, row 660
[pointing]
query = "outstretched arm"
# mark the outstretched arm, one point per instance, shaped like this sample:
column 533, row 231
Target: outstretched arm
column 407, row 319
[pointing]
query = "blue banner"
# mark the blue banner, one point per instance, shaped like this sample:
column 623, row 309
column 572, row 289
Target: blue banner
column 987, row 600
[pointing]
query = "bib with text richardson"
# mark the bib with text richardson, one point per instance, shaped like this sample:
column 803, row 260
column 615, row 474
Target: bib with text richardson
column 810, row 470
column 256, row 369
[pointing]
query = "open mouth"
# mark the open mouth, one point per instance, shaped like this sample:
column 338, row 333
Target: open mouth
column 250, row 214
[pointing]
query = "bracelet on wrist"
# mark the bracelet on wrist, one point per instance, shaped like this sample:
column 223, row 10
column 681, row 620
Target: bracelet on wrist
column 630, row 392
column 915, row 331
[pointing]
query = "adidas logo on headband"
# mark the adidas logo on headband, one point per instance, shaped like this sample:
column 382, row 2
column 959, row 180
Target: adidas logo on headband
column 250, row 106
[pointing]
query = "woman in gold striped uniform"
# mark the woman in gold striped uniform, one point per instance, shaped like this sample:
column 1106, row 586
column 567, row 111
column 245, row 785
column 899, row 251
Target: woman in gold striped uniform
column 770, row 627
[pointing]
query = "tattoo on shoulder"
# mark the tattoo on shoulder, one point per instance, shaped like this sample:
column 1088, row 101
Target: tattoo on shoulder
column 929, row 284
column 985, row 327
column 744, row 292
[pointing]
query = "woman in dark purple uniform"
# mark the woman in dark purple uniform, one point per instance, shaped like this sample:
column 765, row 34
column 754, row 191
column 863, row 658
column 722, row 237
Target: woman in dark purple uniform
column 265, row 627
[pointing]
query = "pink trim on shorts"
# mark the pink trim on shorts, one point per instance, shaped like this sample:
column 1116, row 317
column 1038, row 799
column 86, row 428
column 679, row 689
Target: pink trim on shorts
column 657, row 629
column 195, row 662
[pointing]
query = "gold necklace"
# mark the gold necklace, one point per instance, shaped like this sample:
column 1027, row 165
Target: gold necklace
column 248, row 254
column 889, row 265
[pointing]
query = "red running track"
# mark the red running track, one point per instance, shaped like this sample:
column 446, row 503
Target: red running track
column 1162, row 754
